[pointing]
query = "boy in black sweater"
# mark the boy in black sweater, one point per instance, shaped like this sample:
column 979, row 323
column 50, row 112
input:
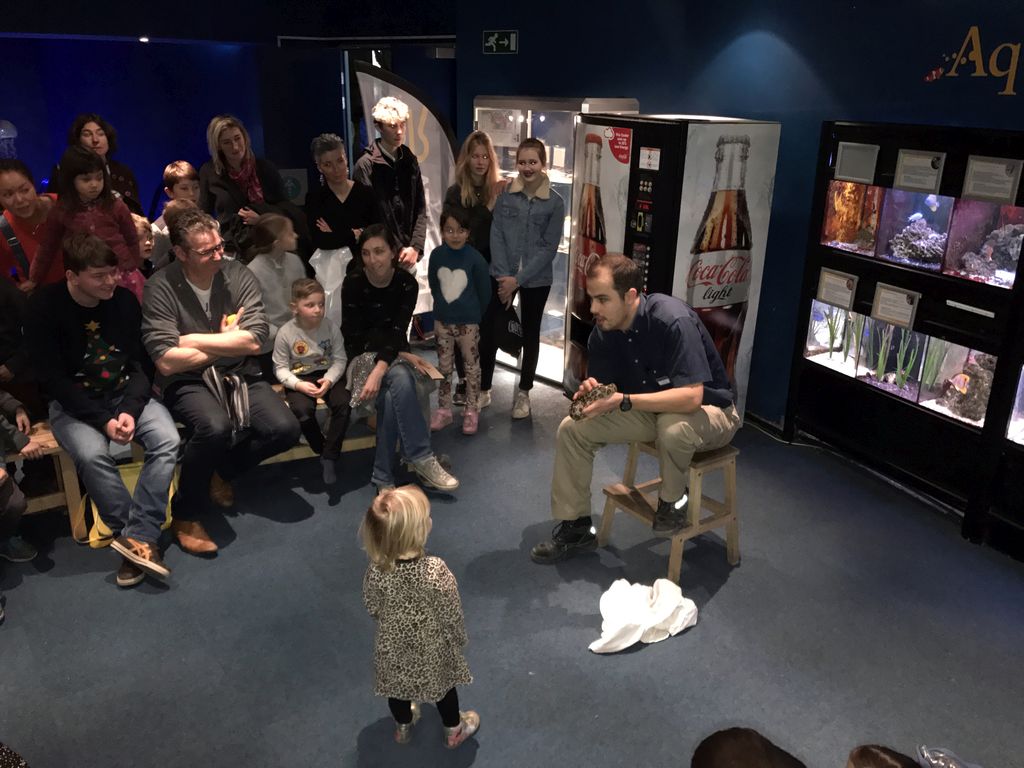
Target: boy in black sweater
column 84, row 338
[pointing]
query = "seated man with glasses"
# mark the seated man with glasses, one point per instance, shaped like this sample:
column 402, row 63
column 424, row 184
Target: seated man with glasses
column 202, row 319
column 85, row 344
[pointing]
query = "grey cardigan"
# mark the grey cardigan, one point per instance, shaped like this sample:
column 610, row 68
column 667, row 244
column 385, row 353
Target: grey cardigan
column 171, row 309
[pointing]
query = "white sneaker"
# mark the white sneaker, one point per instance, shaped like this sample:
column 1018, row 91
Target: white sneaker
column 521, row 405
column 483, row 399
column 433, row 474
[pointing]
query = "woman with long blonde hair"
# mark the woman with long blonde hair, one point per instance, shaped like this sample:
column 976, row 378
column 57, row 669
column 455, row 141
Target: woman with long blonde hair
column 236, row 187
column 476, row 189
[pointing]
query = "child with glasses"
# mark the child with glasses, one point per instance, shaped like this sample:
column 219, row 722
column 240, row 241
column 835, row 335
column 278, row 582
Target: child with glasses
column 461, row 288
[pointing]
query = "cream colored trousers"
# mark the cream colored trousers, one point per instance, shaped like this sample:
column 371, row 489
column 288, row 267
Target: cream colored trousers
column 677, row 436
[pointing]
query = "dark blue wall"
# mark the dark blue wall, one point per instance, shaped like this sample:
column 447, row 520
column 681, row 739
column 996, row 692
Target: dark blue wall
column 160, row 98
column 800, row 63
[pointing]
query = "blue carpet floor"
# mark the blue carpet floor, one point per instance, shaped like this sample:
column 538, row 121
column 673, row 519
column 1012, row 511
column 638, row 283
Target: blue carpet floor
column 856, row 615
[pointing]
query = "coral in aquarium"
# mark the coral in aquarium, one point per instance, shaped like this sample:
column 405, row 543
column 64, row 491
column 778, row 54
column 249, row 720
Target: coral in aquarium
column 967, row 392
column 999, row 253
column 854, row 334
column 918, row 243
column 882, row 353
column 833, row 321
column 851, row 218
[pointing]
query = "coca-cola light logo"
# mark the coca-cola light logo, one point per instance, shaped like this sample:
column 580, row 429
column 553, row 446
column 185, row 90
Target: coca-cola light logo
column 718, row 278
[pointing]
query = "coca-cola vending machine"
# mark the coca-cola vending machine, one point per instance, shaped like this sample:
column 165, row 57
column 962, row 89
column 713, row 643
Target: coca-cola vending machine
column 689, row 199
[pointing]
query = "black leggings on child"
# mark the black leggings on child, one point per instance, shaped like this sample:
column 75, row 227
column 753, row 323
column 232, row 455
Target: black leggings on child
column 304, row 408
column 448, row 707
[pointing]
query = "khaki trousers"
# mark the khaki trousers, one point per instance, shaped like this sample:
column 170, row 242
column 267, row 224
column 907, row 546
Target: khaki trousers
column 677, row 436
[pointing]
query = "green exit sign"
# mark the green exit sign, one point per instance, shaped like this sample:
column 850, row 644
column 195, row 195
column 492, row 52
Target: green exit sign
column 501, row 41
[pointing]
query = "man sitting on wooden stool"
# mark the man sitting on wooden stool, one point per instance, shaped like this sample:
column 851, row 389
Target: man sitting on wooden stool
column 85, row 343
column 672, row 389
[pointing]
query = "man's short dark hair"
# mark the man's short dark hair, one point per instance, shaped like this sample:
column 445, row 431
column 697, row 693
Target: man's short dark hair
column 191, row 221
column 625, row 272
column 82, row 251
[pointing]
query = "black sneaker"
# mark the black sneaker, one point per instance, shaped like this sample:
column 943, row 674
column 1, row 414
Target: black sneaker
column 459, row 398
column 671, row 516
column 567, row 539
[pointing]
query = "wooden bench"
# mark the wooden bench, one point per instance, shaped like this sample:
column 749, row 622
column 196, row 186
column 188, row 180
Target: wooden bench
column 68, row 494
column 641, row 499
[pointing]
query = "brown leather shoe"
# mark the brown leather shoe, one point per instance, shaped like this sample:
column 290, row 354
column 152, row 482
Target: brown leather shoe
column 192, row 537
column 129, row 574
column 145, row 555
column 221, row 492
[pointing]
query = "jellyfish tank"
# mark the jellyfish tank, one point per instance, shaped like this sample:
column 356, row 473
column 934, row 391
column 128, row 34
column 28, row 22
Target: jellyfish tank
column 852, row 213
column 984, row 242
column 914, row 229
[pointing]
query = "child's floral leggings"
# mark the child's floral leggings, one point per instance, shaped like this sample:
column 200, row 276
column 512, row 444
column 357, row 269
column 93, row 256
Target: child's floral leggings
column 468, row 339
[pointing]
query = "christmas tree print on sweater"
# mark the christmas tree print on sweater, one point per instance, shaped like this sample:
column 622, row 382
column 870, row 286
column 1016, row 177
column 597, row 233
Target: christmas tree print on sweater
column 103, row 364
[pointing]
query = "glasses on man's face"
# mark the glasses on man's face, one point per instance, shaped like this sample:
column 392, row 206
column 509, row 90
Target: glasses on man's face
column 218, row 248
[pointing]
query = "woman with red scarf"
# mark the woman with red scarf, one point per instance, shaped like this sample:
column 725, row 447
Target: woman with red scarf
column 236, row 187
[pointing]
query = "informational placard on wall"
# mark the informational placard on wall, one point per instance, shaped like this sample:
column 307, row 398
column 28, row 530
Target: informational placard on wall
column 837, row 288
column 992, row 179
column 918, row 171
column 895, row 305
column 856, row 162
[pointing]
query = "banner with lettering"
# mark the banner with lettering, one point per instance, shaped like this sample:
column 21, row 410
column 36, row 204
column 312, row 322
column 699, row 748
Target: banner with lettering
column 728, row 180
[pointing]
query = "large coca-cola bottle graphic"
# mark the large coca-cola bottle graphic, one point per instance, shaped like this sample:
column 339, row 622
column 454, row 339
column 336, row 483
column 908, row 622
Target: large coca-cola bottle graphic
column 719, row 278
column 590, row 234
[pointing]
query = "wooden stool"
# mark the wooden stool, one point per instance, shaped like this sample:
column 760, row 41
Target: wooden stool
column 68, row 494
column 641, row 500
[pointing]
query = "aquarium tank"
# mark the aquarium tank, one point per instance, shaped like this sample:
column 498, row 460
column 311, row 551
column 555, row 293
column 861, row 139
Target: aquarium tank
column 891, row 359
column 834, row 338
column 914, row 229
column 984, row 242
column 956, row 381
column 852, row 213
column 1015, row 431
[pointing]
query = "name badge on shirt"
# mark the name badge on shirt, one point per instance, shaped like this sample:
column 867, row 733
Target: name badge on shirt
column 663, row 381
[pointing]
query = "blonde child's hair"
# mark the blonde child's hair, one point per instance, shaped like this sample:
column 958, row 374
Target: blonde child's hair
column 305, row 287
column 396, row 525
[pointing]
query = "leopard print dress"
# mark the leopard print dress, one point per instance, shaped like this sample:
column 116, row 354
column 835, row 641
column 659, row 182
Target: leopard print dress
column 420, row 629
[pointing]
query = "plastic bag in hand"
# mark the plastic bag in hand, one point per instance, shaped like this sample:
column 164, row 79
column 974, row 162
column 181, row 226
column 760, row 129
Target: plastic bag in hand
column 330, row 267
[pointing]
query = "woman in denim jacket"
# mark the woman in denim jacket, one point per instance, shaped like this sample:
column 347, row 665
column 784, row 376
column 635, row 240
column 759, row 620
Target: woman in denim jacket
column 525, row 234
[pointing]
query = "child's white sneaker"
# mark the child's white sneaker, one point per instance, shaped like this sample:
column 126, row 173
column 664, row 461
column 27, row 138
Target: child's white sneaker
column 403, row 731
column 469, row 725
column 483, row 399
column 521, row 405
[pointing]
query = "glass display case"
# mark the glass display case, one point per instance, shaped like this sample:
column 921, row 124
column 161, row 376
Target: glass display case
column 1015, row 430
column 851, row 216
column 914, row 229
column 984, row 242
column 834, row 339
column 510, row 119
column 891, row 359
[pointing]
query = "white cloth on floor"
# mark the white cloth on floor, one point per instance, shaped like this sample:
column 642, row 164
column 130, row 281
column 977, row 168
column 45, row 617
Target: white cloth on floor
column 635, row 612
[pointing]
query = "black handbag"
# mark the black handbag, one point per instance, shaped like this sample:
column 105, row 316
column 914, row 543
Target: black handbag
column 508, row 330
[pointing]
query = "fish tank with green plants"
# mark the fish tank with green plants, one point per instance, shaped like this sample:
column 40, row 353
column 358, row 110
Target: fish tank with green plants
column 956, row 381
column 852, row 213
column 834, row 338
column 914, row 229
column 891, row 359
column 984, row 242
column 1015, row 431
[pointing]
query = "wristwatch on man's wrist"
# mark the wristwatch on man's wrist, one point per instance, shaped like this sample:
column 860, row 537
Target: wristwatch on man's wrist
column 626, row 403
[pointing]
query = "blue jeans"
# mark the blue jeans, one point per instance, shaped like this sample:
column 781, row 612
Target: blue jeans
column 399, row 420
column 138, row 516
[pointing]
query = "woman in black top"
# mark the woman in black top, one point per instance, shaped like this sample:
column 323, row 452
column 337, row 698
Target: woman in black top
column 476, row 190
column 236, row 187
column 377, row 302
column 97, row 135
column 341, row 208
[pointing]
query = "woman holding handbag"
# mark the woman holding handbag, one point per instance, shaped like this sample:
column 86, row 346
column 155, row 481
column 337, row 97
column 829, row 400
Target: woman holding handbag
column 476, row 190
